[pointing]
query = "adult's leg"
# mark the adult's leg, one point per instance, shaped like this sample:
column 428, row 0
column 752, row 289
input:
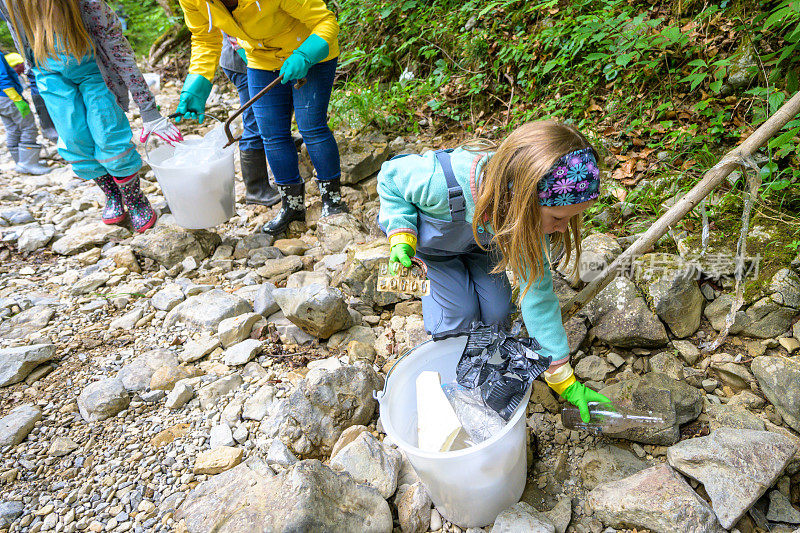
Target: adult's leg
column 493, row 290
column 273, row 114
column 251, row 137
column 452, row 304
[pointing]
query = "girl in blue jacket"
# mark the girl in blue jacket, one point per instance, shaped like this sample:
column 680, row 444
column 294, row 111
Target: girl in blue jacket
column 469, row 215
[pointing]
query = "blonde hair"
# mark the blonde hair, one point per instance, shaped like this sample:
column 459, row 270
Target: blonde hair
column 52, row 27
column 508, row 197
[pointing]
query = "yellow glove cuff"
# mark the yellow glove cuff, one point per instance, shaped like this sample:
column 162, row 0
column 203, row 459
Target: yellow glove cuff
column 562, row 378
column 403, row 238
column 12, row 94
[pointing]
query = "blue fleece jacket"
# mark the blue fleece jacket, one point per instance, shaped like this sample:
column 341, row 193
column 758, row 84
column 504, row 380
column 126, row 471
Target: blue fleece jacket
column 416, row 183
column 9, row 79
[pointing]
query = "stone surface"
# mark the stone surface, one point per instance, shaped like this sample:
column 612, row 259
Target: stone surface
column 347, row 436
column 361, row 159
column 620, row 317
column 61, row 446
column 80, row 238
column 236, row 329
column 593, row 368
column 522, row 517
column 667, row 364
column 16, row 425
column 137, row 375
column 657, row 499
column 677, row 401
column 316, row 309
column 17, row 363
column 764, row 319
column 35, row 237
column 367, row 461
column 167, row 376
column 671, row 290
column 179, row 395
column 265, row 304
column 217, row 460
column 611, row 463
column 241, row 353
column 598, row 250
column 304, row 277
column 781, row 510
column 196, row 349
column 560, row 515
column 279, row 269
column 785, row 285
column 279, row 454
column 779, row 378
column 732, row 416
column 313, row 417
column 688, row 351
column 359, row 276
column 337, row 232
column 307, row 496
column 26, row 322
column 209, row 394
column 256, row 406
column 735, row 466
column 221, row 435
column 102, row 399
column 168, row 297
column 169, row 245
column 414, row 509
column 207, row 310
column 10, row 511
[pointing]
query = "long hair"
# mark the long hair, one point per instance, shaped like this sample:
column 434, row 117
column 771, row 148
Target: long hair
column 52, row 27
column 508, row 197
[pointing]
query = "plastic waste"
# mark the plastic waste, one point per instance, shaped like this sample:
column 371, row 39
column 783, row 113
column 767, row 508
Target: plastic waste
column 502, row 364
column 438, row 427
column 479, row 420
column 193, row 152
column 612, row 420
column 153, row 80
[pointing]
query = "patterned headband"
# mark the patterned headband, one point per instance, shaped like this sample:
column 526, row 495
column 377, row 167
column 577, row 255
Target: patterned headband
column 573, row 179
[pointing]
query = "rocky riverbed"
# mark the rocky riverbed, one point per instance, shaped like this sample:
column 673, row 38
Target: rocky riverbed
column 223, row 380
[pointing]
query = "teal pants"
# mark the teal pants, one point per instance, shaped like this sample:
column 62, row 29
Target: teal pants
column 93, row 132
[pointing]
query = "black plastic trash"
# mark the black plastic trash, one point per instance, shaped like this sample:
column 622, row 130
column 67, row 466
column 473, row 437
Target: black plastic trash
column 502, row 364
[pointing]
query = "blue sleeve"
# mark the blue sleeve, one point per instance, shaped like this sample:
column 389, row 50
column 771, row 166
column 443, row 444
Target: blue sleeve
column 541, row 313
column 8, row 78
column 397, row 213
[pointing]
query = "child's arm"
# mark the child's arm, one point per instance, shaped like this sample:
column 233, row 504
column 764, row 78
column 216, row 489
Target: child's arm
column 398, row 215
column 103, row 25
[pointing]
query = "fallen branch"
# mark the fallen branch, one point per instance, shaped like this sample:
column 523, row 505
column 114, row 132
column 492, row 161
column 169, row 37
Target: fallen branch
column 711, row 179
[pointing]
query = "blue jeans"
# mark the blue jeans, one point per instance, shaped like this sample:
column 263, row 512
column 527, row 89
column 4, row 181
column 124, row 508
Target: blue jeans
column 273, row 114
column 251, row 138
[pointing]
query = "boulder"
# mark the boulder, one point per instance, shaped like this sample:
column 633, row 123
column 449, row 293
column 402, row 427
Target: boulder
column 359, row 277
column 168, row 245
column 608, row 463
column 779, row 378
column 316, row 309
column 16, row 363
column 26, row 322
column 16, row 425
column 207, row 310
column 522, row 517
column 337, row 232
column 735, row 466
column 78, row 239
column 102, row 399
column 764, row 319
column 307, row 496
column 368, row 461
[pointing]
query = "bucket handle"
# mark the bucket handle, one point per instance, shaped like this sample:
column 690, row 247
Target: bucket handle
column 173, row 115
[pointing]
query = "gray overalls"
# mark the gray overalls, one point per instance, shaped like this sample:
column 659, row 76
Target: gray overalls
column 463, row 289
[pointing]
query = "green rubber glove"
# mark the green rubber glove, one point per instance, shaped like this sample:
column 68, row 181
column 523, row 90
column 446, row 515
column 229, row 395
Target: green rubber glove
column 313, row 50
column 192, row 104
column 242, row 54
column 580, row 395
column 400, row 253
column 23, row 107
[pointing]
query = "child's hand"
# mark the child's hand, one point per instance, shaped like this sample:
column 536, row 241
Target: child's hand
column 400, row 253
column 580, row 395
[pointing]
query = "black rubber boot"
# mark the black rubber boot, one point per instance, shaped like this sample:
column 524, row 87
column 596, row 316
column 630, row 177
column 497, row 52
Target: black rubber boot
column 331, row 193
column 256, row 179
column 293, row 207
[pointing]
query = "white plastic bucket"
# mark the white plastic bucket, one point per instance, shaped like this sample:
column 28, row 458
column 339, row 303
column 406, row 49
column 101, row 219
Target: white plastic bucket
column 469, row 487
column 200, row 197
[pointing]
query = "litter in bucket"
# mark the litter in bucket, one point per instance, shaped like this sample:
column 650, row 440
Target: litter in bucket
column 470, row 486
column 197, row 179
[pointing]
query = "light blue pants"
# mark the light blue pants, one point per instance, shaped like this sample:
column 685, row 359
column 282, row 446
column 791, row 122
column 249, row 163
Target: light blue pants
column 94, row 133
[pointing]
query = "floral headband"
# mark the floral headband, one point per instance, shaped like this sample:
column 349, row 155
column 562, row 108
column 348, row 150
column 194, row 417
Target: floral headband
column 573, row 179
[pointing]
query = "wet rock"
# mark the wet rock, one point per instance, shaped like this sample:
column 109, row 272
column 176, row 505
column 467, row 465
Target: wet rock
column 169, row 245
column 265, row 304
column 316, row 309
column 610, row 463
column 779, row 378
column 522, row 517
column 209, row 394
column 136, row 375
column 598, row 250
column 241, row 353
column 16, row 425
column 35, row 237
column 781, row 510
column 256, row 406
column 678, row 402
column 313, row 417
column 236, row 329
column 80, row 238
column 168, row 297
column 307, row 496
column 671, row 290
column 336, row 232
column 414, row 509
column 17, row 363
column 764, row 319
column 367, row 461
column 217, row 460
column 102, row 399
column 621, row 317
column 359, row 277
column 657, row 499
column 735, row 466
column 28, row 321
column 207, row 310
column 786, row 288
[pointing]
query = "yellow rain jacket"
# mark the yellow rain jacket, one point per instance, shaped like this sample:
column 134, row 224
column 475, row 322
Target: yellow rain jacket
column 268, row 30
